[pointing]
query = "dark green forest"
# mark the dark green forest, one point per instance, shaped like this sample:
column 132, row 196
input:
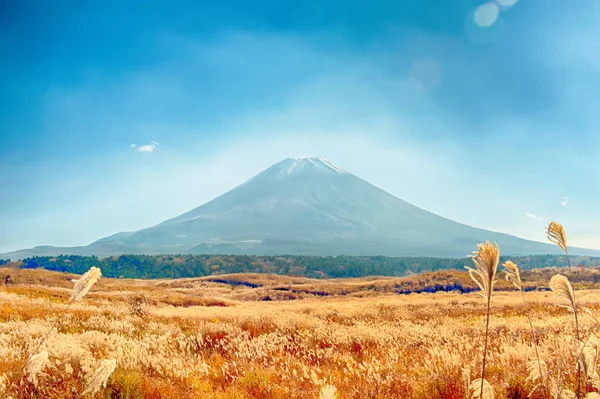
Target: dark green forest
column 177, row 266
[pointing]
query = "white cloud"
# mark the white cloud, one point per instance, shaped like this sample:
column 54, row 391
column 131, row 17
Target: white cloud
column 531, row 215
column 565, row 201
column 147, row 147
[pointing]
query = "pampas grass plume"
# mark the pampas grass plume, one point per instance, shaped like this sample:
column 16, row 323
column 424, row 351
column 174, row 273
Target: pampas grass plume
column 466, row 378
column 538, row 370
column 513, row 275
column 34, row 366
column 564, row 296
column 328, row 392
column 556, row 234
column 481, row 389
column 83, row 284
column 100, row 376
column 486, row 260
column 3, row 383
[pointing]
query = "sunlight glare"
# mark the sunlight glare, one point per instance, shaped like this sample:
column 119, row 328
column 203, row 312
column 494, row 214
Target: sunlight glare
column 507, row 3
column 486, row 14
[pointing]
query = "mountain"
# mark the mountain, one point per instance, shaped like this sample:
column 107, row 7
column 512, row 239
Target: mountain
column 308, row 206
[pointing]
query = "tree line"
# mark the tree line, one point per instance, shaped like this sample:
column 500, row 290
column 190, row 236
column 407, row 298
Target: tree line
column 178, row 266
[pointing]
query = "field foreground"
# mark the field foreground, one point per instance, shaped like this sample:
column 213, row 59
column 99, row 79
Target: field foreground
column 262, row 336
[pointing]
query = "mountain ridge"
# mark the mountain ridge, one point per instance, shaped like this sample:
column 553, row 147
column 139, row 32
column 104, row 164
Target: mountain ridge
column 306, row 206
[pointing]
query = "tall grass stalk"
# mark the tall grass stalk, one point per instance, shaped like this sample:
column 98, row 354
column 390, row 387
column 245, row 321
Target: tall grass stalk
column 80, row 289
column 486, row 260
column 513, row 275
column 564, row 296
column 556, row 234
column 589, row 336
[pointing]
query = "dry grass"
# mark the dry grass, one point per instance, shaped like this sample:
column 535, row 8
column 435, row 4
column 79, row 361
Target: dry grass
column 196, row 338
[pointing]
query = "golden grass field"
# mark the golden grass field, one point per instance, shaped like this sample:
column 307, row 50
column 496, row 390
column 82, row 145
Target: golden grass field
column 287, row 338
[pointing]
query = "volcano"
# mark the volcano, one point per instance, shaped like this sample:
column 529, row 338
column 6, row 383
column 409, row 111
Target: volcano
column 306, row 206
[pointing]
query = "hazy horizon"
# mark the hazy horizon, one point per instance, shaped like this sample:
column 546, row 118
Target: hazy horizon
column 486, row 116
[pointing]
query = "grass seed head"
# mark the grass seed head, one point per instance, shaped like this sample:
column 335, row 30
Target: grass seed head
column 328, row 392
column 535, row 374
column 3, row 383
column 34, row 366
column 564, row 394
column 476, row 391
column 466, row 378
column 564, row 296
column 100, row 376
column 588, row 358
column 513, row 275
column 556, row 234
column 486, row 260
column 83, row 284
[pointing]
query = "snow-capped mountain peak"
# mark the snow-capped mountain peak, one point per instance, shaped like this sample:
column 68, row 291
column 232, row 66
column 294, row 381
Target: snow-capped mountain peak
column 318, row 163
column 300, row 166
column 308, row 206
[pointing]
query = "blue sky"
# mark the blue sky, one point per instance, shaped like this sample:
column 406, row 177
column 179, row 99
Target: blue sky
column 488, row 121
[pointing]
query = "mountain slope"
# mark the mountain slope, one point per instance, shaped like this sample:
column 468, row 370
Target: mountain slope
column 308, row 206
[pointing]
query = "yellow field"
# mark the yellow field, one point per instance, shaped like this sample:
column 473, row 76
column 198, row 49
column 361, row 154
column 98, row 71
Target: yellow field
column 193, row 338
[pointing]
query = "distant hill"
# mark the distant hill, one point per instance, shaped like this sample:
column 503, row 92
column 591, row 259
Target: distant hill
column 305, row 206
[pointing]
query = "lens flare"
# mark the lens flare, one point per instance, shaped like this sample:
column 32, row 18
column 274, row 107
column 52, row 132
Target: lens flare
column 486, row 14
column 507, row 3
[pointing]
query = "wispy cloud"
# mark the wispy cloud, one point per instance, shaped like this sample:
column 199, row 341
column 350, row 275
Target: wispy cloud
column 146, row 147
column 565, row 201
column 531, row 215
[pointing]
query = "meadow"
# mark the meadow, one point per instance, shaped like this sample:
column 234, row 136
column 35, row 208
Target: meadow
column 267, row 336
